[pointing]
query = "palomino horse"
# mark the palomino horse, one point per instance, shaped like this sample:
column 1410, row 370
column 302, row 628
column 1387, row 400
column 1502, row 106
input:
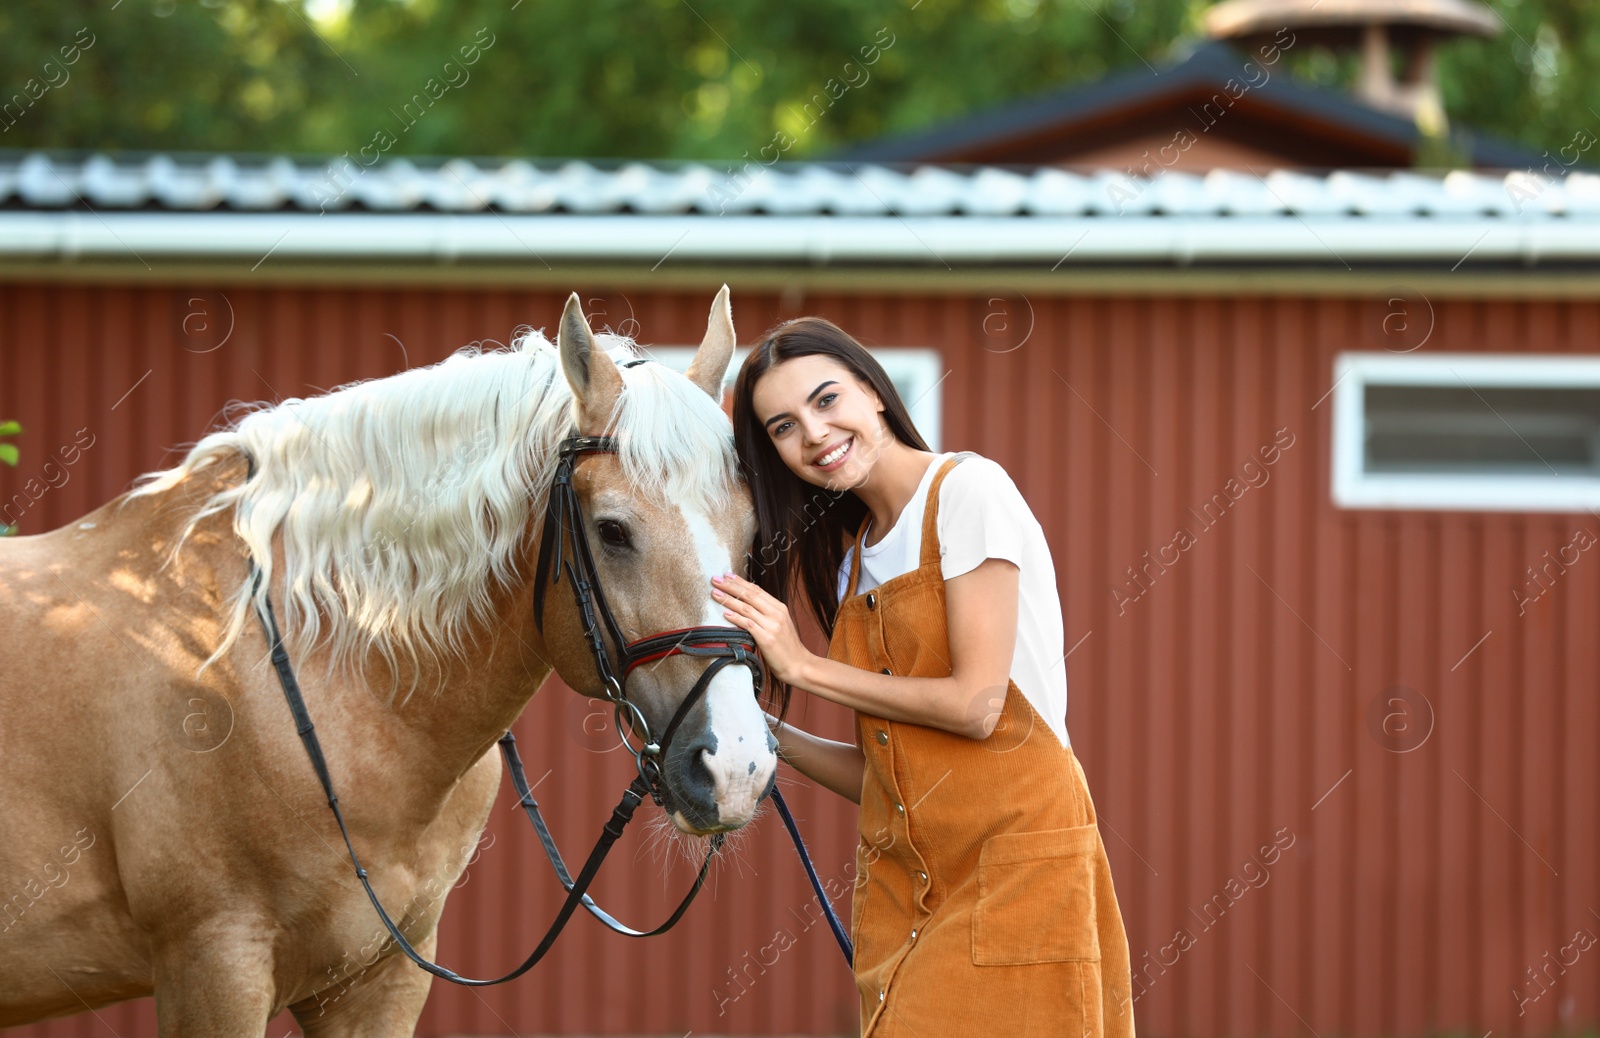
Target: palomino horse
column 164, row 832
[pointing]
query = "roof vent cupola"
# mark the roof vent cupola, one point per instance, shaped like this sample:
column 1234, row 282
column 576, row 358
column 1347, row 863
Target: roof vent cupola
column 1384, row 32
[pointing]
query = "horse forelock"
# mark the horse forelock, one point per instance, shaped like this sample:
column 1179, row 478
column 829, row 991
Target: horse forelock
column 401, row 501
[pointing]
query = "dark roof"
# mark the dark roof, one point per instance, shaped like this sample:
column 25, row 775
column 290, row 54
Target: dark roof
column 1304, row 122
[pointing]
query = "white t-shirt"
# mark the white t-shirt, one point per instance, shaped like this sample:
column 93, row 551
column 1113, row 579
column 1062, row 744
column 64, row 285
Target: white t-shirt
column 982, row 515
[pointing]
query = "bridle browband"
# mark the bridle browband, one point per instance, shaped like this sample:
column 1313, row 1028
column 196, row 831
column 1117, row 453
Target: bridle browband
column 724, row 645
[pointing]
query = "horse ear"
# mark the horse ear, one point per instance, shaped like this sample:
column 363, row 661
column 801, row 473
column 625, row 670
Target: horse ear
column 710, row 362
column 596, row 383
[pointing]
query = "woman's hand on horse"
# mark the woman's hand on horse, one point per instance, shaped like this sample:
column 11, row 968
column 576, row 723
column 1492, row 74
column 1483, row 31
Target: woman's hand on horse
column 768, row 620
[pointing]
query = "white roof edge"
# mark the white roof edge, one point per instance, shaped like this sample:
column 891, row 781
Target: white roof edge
column 74, row 235
column 36, row 181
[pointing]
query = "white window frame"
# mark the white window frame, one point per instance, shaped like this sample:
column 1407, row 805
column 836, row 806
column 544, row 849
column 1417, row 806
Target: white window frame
column 916, row 371
column 1354, row 487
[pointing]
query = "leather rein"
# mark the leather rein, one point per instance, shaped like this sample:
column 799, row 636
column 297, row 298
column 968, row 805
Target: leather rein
column 724, row 646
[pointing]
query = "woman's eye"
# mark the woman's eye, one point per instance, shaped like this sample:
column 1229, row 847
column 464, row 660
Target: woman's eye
column 613, row 533
column 825, row 398
column 781, row 427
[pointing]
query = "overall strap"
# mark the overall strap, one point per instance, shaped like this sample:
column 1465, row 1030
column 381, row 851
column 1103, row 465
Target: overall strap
column 930, row 511
column 855, row 557
column 929, row 533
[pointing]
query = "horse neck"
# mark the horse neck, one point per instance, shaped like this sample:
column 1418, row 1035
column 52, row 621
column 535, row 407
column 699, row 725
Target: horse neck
column 458, row 710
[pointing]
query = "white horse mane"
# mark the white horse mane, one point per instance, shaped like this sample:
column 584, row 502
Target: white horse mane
column 400, row 499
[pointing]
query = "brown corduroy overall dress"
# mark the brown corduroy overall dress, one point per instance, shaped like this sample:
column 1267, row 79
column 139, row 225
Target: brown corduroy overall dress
column 983, row 902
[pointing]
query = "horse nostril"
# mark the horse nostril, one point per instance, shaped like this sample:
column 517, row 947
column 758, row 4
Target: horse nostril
column 693, row 780
column 701, row 778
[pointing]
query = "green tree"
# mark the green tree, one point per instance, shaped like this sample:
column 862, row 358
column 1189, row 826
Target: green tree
column 1538, row 82
column 218, row 75
column 700, row 79
column 9, row 455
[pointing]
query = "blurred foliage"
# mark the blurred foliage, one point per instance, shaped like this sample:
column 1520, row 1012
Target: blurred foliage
column 711, row 79
column 9, row 455
column 1537, row 82
column 160, row 74
column 8, row 451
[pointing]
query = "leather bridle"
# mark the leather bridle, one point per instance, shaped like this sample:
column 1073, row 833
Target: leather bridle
column 724, row 645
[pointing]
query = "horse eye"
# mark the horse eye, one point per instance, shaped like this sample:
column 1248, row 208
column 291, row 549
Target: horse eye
column 613, row 533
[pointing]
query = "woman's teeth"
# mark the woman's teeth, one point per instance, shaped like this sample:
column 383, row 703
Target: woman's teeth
column 835, row 454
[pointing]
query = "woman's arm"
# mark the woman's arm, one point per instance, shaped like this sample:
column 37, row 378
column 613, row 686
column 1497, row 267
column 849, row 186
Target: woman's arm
column 981, row 610
column 836, row 766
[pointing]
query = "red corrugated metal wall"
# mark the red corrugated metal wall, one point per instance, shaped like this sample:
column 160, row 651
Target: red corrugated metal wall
column 1278, row 867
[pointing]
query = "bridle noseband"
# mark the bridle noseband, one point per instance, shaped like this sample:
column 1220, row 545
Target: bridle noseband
column 727, row 645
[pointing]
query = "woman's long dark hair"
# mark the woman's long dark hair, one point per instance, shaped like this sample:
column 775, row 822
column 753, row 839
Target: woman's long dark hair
column 804, row 530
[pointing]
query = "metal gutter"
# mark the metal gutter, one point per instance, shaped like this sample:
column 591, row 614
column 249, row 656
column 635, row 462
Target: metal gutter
column 75, row 236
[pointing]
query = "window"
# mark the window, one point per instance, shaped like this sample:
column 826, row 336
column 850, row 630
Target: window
column 914, row 372
column 1504, row 433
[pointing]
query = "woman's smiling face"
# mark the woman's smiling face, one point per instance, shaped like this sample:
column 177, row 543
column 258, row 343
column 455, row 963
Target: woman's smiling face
column 827, row 426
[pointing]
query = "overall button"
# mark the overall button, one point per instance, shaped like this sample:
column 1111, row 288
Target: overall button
column 883, row 738
column 872, row 600
column 923, row 876
column 880, row 994
column 885, row 670
column 901, row 808
column 913, row 935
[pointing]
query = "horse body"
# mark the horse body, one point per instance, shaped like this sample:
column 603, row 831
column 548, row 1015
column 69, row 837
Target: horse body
column 165, row 831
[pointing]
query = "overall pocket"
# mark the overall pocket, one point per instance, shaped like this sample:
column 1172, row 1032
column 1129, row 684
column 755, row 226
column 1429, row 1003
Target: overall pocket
column 1036, row 898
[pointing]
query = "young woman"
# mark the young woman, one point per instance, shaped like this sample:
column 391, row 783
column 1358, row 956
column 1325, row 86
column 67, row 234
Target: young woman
column 983, row 902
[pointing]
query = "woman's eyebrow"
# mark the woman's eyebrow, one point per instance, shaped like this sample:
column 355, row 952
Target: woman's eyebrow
column 812, row 396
